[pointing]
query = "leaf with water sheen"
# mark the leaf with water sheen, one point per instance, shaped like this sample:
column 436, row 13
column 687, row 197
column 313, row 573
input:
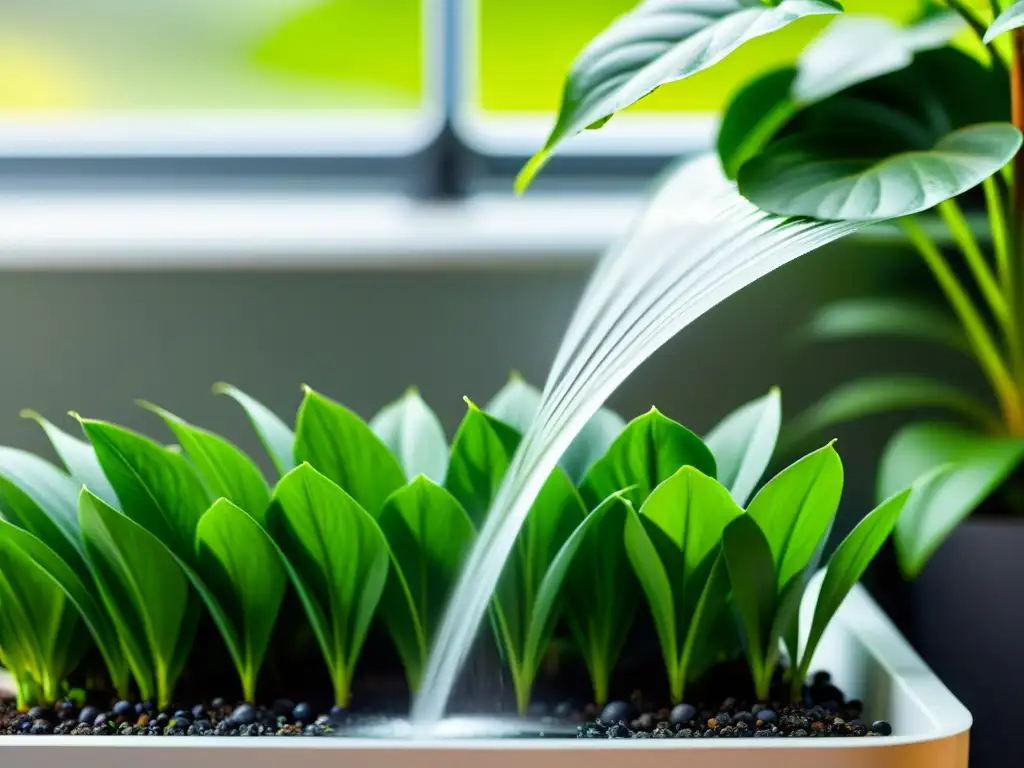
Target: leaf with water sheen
column 337, row 559
column 342, row 447
column 158, row 488
column 242, row 583
column 429, row 534
column 953, row 470
column 658, row 42
column 480, row 455
column 743, row 444
column 1010, row 19
column 145, row 591
column 276, row 436
column 795, row 510
column 748, row 557
column 226, row 470
column 649, row 451
column 882, row 316
column 846, row 566
column 413, row 433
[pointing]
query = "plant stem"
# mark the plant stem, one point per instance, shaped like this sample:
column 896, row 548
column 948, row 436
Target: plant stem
column 977, row 26
column 999, row 226
column 961, row 231
column 1015, row 230
column 981, row 340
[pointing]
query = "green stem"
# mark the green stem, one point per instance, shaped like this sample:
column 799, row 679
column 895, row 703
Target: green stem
column 961, row 231
column 1000, row 236
column 340, row 681
column 523, row 688
column 599, row 679
column 981, row 340
column 1015, row 227
column 977, row 26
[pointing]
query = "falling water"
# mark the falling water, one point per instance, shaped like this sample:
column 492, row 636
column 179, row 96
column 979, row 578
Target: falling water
column 697, row 243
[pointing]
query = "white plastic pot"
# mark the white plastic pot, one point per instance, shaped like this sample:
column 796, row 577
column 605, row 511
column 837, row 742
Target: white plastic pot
column 867, row 657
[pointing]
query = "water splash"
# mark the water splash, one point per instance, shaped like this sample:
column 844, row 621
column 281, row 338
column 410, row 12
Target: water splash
column 697, row 243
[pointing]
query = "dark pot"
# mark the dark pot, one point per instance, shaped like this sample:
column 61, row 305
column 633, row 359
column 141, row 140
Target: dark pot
column 966, row 618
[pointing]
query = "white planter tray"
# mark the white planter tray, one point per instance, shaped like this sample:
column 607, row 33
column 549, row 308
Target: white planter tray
column 867, row 657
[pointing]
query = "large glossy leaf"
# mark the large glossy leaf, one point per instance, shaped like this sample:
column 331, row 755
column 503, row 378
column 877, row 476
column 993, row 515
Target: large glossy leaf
column 227, row 472
column 672, row 545
column 481, row 451
column 650, row 450
column 337, row 559
column 276, row 436
column 743, row 444
column 1010, row 19
column 882, row 394
column 882, row 316
column 342, row 447
column 658, row 42
column 79, row 458
column 411, row 429
column 145, row 591
column 79, row 589
column 953, row 470
column 846, row 566
column 894, row 146
column 429, row 534
column 599, row 592
column 242, row 581
column 158, row 488
column 795, row 510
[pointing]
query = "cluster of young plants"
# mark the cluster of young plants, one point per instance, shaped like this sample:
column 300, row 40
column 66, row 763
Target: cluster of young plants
column 875, row 121
column 132, row 539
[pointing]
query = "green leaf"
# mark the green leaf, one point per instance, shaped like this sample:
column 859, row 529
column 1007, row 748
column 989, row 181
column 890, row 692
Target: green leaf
column 276, row 436
column 337, row 559
column 481, row 452
column 429, row 533
column 79, row 589
column 515, row 404
column 795, row 510
column 848, row 563
column 649, row 451
column 145, row 591
column 952, row 470
column 882, row 316
column 411, row 429
column 749, row 559
column 658, row 42
column 243, row 584
column 754, row 117
column 79, row 458
column 343, row 448
column 882, row 394
column 227, row 472
column 599, row 592
column 743, row 444
column 1010, row 19
column 157, row 487
column 894, row 146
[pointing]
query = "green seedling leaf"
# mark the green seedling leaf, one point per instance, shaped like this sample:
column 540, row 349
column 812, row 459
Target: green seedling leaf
column 881, row 316
column 429, row 533
column 343, row 448
column 672, row 545
column 481, row 452
column 599, row 592
column 227, row 472
column 743, row 444
column 795, row 510
column 658, row 42
column 79, row 589
column 145, row 591
column 39, row 624
column 1010, row 19
column 242, row 583
column 80, row 460
column 952, row 471
column 515, row 404
column 749, row 559
column 649, row 451
column 411, row 429
column 337, row 559
column 525, row 601
column 158, row 488
column 847, row 565
column 276, row 436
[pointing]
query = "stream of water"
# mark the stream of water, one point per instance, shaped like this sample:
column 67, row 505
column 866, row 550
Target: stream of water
column 696, row 244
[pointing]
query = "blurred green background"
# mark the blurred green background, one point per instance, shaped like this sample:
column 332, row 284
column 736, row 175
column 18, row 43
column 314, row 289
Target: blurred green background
column 72, row 55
